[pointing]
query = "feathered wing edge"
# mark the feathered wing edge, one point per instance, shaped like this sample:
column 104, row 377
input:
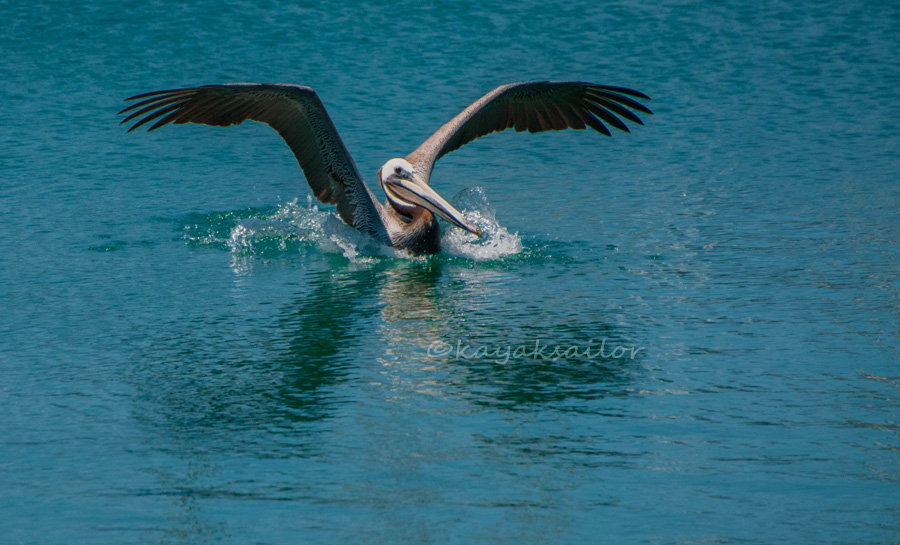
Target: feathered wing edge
column 297, row 114
column 535, row 106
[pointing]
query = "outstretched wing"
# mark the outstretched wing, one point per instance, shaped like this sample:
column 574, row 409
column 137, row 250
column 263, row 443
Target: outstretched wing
column 298, row 115
column 535, row 106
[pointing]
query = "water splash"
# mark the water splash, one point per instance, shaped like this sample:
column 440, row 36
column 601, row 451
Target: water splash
column 290, row 228
column 495, row 242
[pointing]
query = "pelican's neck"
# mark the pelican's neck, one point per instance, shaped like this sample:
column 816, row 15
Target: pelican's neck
column 419, row 233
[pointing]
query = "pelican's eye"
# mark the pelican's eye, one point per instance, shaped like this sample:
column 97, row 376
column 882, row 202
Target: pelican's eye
column 398, row 170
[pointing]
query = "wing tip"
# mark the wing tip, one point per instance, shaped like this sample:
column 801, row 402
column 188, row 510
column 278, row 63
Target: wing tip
column 625, row 91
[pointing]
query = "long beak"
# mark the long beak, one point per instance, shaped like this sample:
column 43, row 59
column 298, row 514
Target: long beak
column 419, row 193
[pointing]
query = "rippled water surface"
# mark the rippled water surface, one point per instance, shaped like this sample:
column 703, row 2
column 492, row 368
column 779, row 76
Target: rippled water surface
column 686, row 334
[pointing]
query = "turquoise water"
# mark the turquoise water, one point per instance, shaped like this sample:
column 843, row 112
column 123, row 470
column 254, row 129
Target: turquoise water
column 192, row 352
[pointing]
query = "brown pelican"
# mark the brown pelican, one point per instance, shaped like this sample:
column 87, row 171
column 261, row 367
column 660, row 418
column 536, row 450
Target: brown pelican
column 407, row 219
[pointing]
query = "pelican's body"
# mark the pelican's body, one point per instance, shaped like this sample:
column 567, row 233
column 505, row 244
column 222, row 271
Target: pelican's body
column 408, row 218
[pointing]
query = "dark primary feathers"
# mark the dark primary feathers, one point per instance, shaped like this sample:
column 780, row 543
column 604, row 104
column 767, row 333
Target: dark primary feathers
column 298, row 115
column 535, row 106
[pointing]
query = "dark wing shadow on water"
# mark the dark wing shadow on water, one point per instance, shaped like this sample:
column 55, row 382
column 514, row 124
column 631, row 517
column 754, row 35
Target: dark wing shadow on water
column 319, row 338
column 210, row 378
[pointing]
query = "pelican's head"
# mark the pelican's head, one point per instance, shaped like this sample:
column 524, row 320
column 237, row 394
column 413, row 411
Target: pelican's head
column 405, row 189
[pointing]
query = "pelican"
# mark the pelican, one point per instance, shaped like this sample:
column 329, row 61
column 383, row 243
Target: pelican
column 408, row 218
